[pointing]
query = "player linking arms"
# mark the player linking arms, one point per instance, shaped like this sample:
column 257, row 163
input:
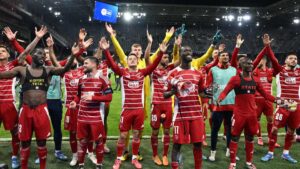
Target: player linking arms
column 244, row 113
column 133, row 113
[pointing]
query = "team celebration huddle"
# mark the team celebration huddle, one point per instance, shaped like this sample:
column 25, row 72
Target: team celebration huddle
column 190, row 97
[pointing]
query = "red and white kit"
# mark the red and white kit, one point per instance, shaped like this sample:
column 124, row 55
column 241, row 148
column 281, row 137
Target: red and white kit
column 187, row 111
column 160, row 105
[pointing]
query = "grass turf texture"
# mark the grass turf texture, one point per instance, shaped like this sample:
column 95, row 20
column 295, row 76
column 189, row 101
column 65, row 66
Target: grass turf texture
column 188, row 161
column 113, row 123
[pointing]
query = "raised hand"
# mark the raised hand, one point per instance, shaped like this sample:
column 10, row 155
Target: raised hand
column 109, row 29
column 170, row 32
column 149, row 37
column 217, row 37
column 86, row 44
column 266, row 39
column 178, row 40
column 40, row 33
column 239, row 41
column 163, row 47
column 104, row 44
column 9, row 34
column 222, row 47
column 181, row 30
column 82, row 34
column 50, row 41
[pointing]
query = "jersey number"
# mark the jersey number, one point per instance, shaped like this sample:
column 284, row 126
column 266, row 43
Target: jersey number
column 176, row 129
column 278, row 116
column 154, row 117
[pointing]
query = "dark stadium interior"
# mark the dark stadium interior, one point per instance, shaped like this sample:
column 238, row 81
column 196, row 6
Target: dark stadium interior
column 202, row 19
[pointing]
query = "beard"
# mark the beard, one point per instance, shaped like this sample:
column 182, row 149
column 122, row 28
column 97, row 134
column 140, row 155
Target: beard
column 87, row 70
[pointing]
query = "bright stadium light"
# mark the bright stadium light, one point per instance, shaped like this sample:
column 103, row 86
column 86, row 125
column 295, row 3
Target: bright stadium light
column 128, row 16
column 230, row 18
column 246, row 17
column 240, row 24
column 50, row 8
column 296, row 21
column 257, row 24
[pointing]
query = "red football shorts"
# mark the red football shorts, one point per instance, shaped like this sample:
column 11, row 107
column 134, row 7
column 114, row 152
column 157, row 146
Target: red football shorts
column 264, row 106
column 92, row 132
column 284, row 117
column 34, row 119
column 70, row 122
column 157, row 111
column 188, row 131
column 8, row 115
column 132, row 118
column 247, row 123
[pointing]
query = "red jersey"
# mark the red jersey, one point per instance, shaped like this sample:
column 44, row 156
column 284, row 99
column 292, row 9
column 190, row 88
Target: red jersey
column 187, row 103
column 91, row 111
column 159, row 79
column 265, row 77
column 71, row 79
column 103, row 66
column 245, row 89
column 288, row 84
column 7, row 86
column 132, row 83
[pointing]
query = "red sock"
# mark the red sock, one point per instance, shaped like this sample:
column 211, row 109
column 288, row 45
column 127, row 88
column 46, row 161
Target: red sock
column 42, row 153
column 269, row 128
column 73, row 142
column 197, row 157
column 166, row 144
column 83, row 144
column 24, row 153
column 288, row 141
column 259, row 129
column 175, row 165
column 154, row 144
column 135, row 146
column 272, row 142
column 233, row 149
column 90, row 147
column 249, row 151
column 99, row 152
column 120, row 147
column 15, row 143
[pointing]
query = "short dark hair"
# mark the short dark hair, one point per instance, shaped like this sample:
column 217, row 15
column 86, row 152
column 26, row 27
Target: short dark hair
column 93, row 59
column 241, row 56
column 224, row 51
column 5, row 47
column 291, row 53
column 131, row 53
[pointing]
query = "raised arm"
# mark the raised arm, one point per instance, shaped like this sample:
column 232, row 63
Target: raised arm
column 104, row 45
column 50, row 44
column 239, row 42
column 10, row 73
column 15, row 44
column 276, row 66
column 177, row 45
column 197, row 63
column 38, row 35
column 148, row 49
column 117, row 45
column 76, row 51
column 162, row 48
column 169, row 34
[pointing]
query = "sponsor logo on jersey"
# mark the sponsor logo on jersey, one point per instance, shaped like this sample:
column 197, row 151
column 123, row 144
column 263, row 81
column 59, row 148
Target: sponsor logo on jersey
column 290, row 80
column 74, row 82
column 133, row 84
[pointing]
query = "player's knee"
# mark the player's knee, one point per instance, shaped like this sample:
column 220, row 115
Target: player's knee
column 155, row 132
column 25, row 144
column 269, row 119
column 41, row 143
column 274, row 131
column 135, row 134
column 290, row 131
column 249, row 138
column 123, row 136
column 235, row 138
column 197, row 145
column 166, row 131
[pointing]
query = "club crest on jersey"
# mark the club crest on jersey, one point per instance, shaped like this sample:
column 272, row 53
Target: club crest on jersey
column 133, row 84
column 290, row 80
column 74, row 82
column 187, row 89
